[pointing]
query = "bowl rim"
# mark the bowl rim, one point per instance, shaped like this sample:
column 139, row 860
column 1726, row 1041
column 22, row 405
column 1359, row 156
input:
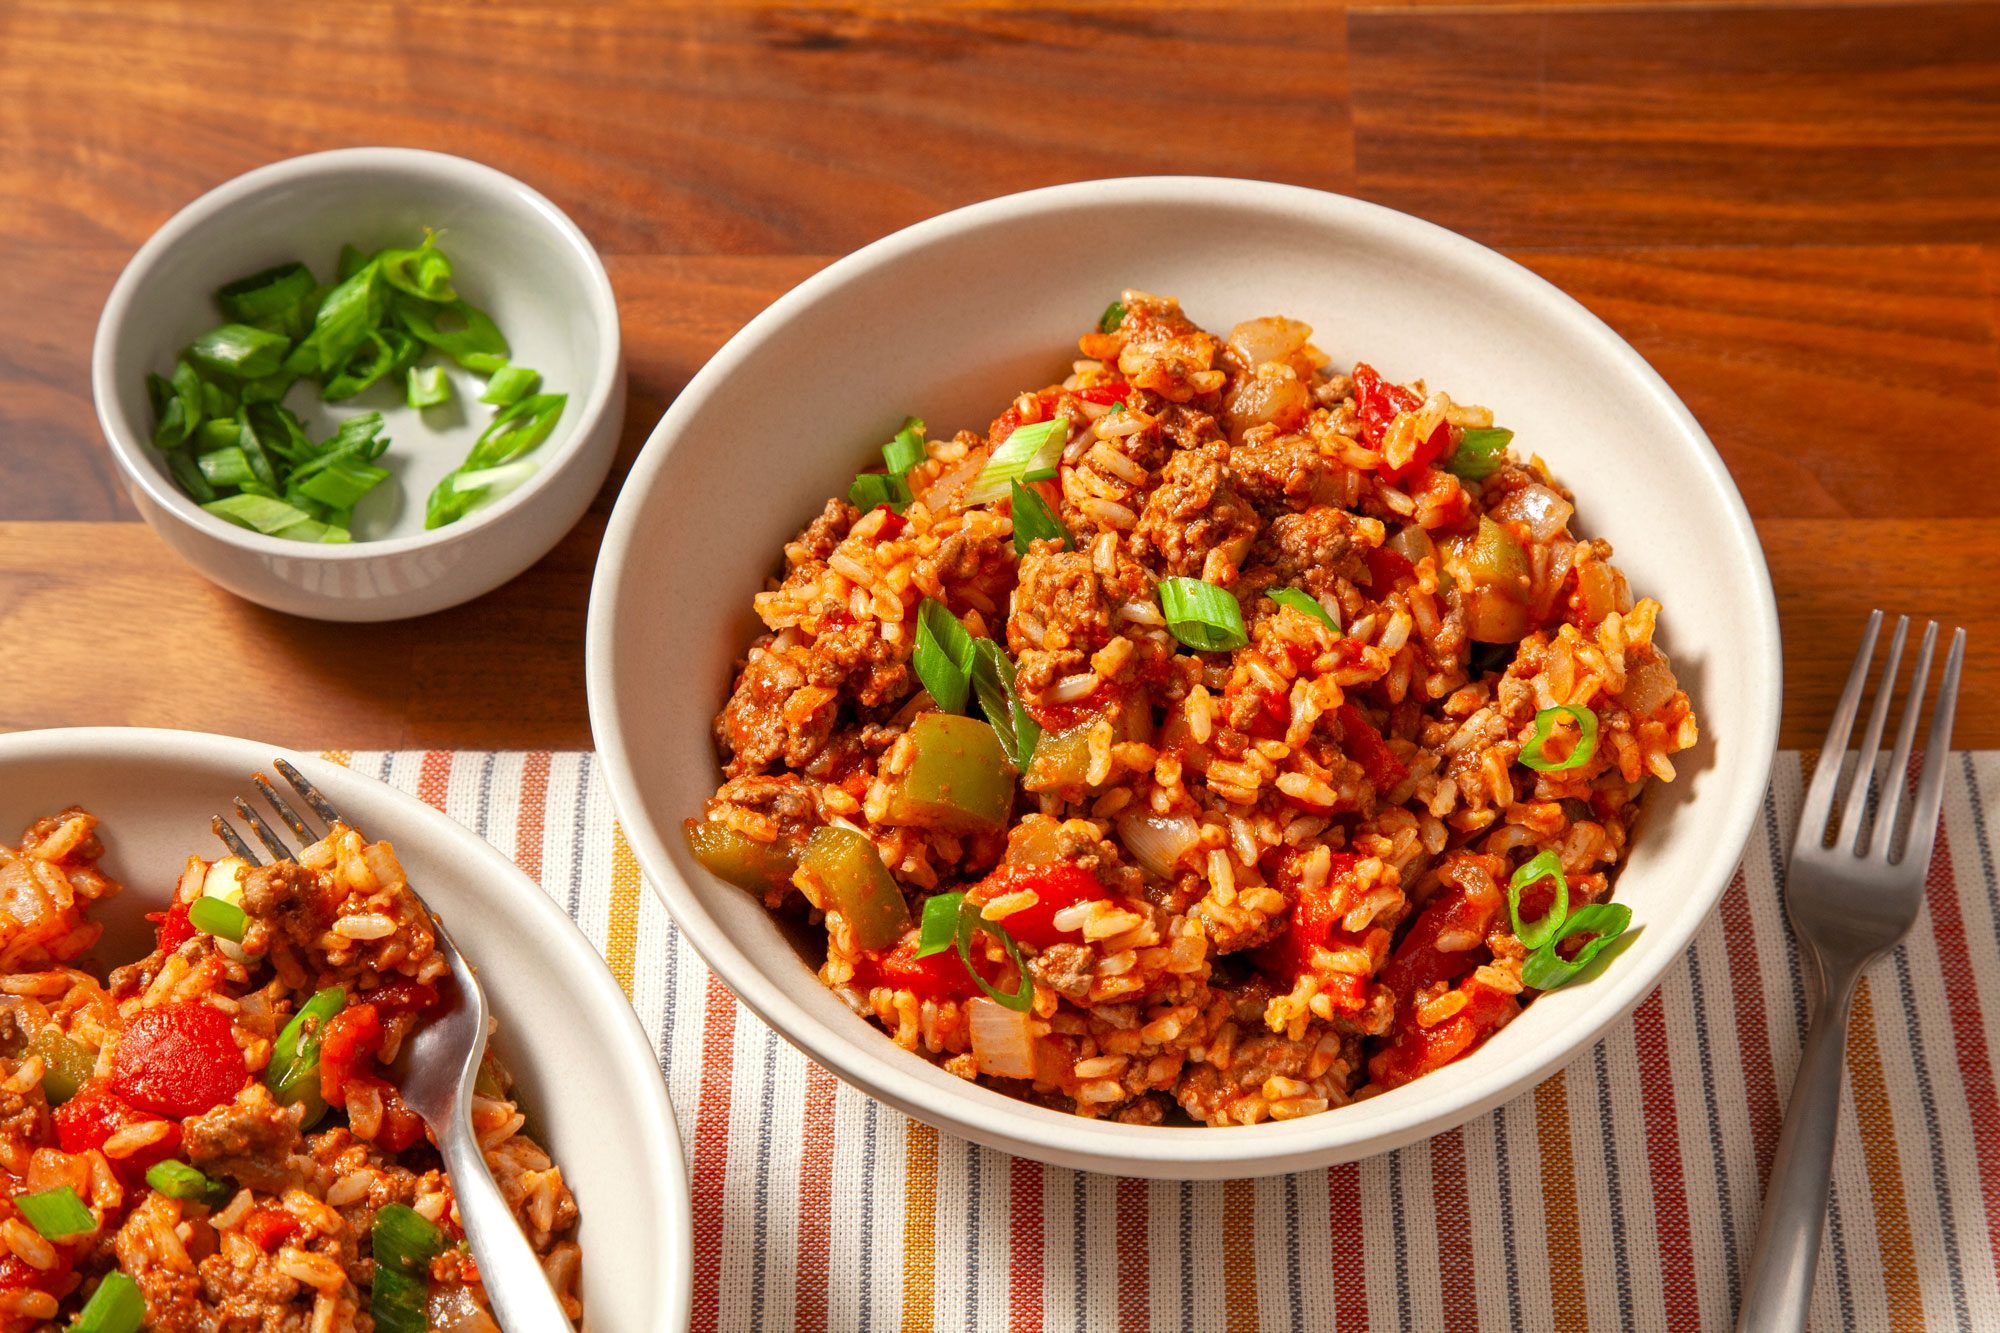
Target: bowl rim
column 611, row 1010
column 132, row 453
column 1178, row 1152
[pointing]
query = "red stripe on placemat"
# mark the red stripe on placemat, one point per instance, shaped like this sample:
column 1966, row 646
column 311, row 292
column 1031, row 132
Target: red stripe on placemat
column 1345, row 1261
column 1753, row 1027
column 1454, row 1233
column 530, row 826
column 711, row 1151
column 434, row 778
column 1664, row 1165
column 815, row 1199
column 1025, row 1240
column 1134, row 1223
column 1968, row 1027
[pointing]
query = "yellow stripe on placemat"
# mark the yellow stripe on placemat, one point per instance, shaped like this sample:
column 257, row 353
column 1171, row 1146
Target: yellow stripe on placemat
column 1558, row 1204
column 1885, row 1169
column 1239, row 1254
column 341, row 757
column 920, row 1229
column 621, row 930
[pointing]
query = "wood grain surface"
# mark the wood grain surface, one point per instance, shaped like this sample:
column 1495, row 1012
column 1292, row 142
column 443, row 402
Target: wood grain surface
column 1792, row 211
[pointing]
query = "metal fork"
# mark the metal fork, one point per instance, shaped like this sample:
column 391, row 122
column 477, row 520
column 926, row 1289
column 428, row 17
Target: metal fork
column 1852, row 896
column 436, row 1082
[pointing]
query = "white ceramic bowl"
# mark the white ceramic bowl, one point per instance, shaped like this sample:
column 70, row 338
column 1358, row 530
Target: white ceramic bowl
column 587, row 1072
column 517, row 256
column 951, row 317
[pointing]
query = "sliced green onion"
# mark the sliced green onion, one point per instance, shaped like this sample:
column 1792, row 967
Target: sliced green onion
column 383, row 353
column 1031, row 448
column 1480, row 453
column 501, row 479
column 226, row 467
column 1535, row 753
column 279, row 432
column 256, row 512
column 462, row 331
column 242, row 350
column 939, row 930
column 187, row 471
column 58, row 1213
column 404, row 1244
column 117, row 1306
column 214, row 435
column 349, row 314
column 1201, row 615
column 429, row 386
column 178, row 1180
column 1113, row 316
column 293, row 1074
column 1546, row 969
column 1301, row 600
column 1534, row 934
column 943, row 655
column 424, row 272
column 274, row 299
column 993, row 683
column 1022, row 997
column 217, row 401
column 218, row 917
column 252, row 446
column 871, row 490
column 350, row 262
column 517, row 428
column 510, row 384
column 177, row 405
column 1034, row 520
column 342, row 484
column 907, row 449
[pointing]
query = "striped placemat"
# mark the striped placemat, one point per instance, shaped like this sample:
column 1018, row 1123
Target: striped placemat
column 1622, row 1193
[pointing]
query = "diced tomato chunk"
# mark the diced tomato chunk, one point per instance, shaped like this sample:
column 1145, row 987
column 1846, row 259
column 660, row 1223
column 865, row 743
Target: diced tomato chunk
column 95, row 1113
column 174, row 927
column 402, row 997
column 401, row 1127
column 1105, row 393
column 893, row 524
column 1386, row 568
column 1366, row 745
column 270, row 1226
column 1314, row 915
column 1057, row 886
column 941, row 976
column 179, row 1060
column 1413, row 1051
column 1377, row 403
column 17, row 1275
column 352, row 1036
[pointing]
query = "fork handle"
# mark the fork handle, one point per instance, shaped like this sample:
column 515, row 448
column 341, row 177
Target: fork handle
column 1788, row 1238
column 521, row 1297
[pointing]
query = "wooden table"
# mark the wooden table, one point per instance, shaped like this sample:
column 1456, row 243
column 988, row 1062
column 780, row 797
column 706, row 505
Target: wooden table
column 1793, row 212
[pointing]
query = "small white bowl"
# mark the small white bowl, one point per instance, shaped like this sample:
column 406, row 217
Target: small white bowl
column 587, row 1073
column 948, row 320
column 517, row 256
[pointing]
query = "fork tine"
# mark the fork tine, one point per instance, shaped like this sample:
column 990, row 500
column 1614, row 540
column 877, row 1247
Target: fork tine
column 1818, row 805
column 1896, row 780
column 1871, row 742
column 1930, row 785
column 293, row 820
column 321, row 806
column 231, row 839
column 265, row 833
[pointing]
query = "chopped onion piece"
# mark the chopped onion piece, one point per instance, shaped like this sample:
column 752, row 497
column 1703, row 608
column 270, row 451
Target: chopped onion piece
column 1159, row 841
column 1003, row 1039
column 1545, row 512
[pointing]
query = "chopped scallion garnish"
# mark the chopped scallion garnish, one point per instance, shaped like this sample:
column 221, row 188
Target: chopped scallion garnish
column 943, row 655
column 1480, row 452
column 1534, row 934
column 1301, row 600
column 1201, row 615
column 993, row 683
column 874, row 489
column 178, row 1180
column 939, row 930
column 117, row 1306
column 907, row 449
column 1034, row 520
column 970, row 922
column 1113, row 316
column 1535, row 753
column 1546, row 968
column 226, row 467
column 242, row 350
column 1031, row 448
column 429, row 386
column 57, row 1213
column 404, row 1243
column 510, row 384
column 218, row 917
